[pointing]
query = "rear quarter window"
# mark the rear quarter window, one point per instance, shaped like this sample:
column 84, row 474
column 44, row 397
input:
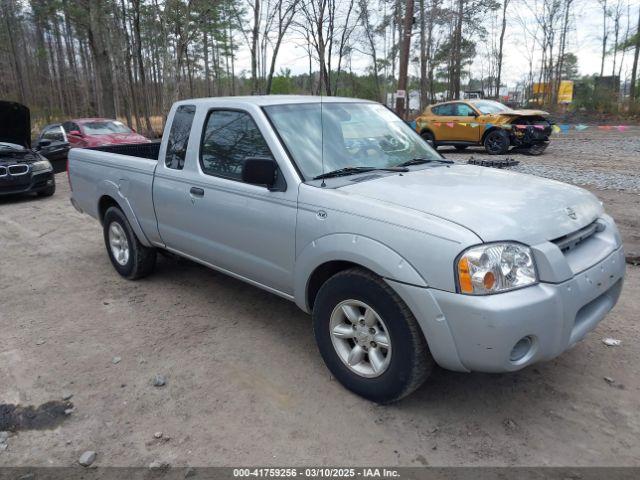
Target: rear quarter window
column 179, row 137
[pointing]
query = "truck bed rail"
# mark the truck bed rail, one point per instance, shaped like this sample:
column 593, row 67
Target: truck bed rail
column 142, row 150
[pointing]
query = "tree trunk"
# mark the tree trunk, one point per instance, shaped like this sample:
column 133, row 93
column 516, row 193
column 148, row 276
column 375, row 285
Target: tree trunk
column 101, row 57
column 634, row 69
column 500, row 46
column 457, row 57
column 402, row 103
column 205, row 53
column 141, row 70
column 423, row 56
column 605, row 35
column 255, row 33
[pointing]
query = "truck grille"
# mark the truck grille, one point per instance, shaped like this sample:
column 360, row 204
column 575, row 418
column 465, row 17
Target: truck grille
column 572, row 240
column 18, row 169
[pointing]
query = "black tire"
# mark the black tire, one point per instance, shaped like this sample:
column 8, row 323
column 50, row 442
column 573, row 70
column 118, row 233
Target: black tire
column 460, row 148
column 141, row 261
column 497, row 142
column 410, row 363
column 429, row 138
column 535, row 149
column 48, row 192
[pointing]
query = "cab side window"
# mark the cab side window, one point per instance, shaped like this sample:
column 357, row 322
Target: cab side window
column 230, row 137
column 446, row 110
column 70, row 127
column 179, row 137
column 464, row 110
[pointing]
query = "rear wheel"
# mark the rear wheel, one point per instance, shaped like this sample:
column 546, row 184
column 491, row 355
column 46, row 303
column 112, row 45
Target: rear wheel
column 497, row 142
column 368, row 337
column 129, row 257
column 429, row 138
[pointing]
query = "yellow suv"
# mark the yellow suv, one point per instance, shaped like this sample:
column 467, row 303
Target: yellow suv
column 495, row 126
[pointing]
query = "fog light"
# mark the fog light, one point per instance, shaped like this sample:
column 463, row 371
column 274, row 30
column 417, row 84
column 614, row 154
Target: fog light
column 521, row 349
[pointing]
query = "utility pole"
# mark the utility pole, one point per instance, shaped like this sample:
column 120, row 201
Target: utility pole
column 402, row 96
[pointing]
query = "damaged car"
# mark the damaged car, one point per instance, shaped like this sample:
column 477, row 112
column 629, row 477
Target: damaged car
column 486, row 123
column 22, row 170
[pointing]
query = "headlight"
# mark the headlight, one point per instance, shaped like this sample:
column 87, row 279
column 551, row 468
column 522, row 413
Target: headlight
column 494, row 268
column 41, row 166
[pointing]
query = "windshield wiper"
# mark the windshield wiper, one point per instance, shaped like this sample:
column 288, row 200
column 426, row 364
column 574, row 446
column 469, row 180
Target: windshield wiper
column 420, row 161
column 353, row 170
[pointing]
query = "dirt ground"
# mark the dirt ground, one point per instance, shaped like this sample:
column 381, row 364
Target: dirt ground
column 245, row 384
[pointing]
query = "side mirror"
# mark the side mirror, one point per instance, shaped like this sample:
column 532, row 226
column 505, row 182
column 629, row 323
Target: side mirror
column 43, row 143
column 77, row 133
column 260, row 171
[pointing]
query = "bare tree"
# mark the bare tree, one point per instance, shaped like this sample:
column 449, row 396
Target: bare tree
column 282, row 15
column 328, row 25
column 605, row 32
column 505, row 4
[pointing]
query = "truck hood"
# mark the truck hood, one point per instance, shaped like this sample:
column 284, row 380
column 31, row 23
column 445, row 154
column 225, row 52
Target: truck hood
column 15, row 124
column 494, row 204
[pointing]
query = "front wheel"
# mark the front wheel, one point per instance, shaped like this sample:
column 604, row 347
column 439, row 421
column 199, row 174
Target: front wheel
column 47, row 192
column 535, row 149
column 368, row 337
column 497, row 142
column 129, row 257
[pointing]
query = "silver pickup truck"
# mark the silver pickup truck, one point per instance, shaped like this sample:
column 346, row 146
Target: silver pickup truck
column 404, row 259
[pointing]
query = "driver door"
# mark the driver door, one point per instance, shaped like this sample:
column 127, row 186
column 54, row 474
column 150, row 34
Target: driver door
column 465, row 117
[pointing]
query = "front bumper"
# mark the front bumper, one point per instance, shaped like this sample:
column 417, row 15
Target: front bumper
column 34, row 182
column 478, row 333
column 529, row 135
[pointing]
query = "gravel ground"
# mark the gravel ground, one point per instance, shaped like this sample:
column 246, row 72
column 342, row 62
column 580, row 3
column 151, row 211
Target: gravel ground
column 593, row 178
column 243, row 381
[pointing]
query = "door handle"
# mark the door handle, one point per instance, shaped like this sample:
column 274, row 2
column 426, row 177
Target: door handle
column 197, row 192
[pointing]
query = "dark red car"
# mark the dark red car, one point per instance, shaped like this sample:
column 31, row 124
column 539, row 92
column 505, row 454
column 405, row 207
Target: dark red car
column 95, row 132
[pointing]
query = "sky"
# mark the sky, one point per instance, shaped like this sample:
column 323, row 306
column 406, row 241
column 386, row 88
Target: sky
column 584, row 40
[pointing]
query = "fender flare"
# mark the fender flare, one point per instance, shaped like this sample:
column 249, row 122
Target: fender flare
column 489, row 130
column 427, row 129
column 108, row 188
column 357, row 249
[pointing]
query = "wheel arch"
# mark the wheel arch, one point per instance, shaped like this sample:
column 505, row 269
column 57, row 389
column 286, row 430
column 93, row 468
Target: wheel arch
column 487, row 131
column 324, row 257
column 104, row 203
column 108, row 199
column 428, row 130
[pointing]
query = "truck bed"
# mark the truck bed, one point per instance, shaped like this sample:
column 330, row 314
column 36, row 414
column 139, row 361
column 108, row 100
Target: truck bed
column 150, row 151
column 117, row 171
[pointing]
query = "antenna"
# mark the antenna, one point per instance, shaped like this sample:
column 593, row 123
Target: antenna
column 323, row 184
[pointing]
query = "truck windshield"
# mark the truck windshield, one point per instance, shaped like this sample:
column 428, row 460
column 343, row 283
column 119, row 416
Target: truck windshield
column 345, row 135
